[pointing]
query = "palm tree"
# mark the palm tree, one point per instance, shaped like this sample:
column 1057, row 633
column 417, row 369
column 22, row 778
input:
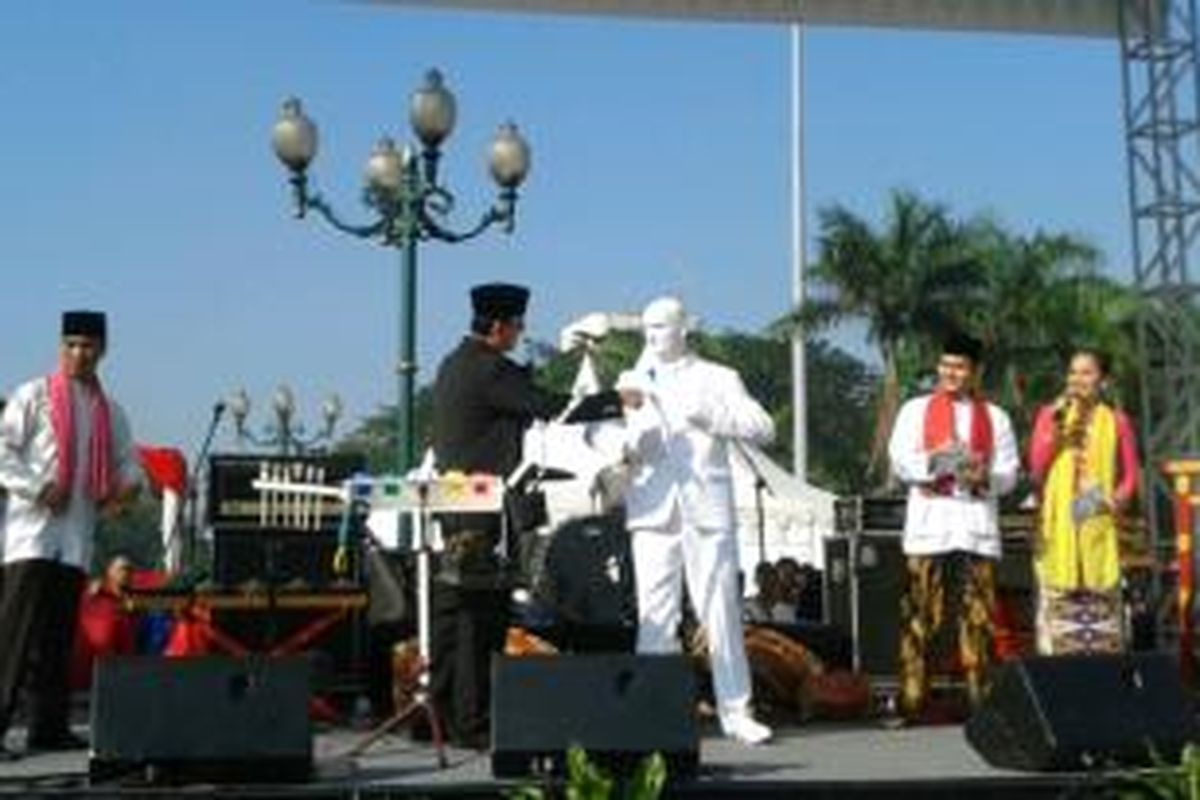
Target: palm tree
column 908, row 280
column 1030, row 286
column 1046, row 298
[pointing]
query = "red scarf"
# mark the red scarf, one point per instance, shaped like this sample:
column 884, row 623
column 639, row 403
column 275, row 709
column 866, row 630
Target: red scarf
column 940, row 431
column 99, row 466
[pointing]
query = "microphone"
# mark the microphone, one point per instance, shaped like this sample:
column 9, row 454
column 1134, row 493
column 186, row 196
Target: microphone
column 218, row 409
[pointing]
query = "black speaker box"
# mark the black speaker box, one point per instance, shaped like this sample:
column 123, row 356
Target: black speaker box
column 234, row 503
column 619, row 708
column 1077, row 712
column 864, row 581
column 212, row 719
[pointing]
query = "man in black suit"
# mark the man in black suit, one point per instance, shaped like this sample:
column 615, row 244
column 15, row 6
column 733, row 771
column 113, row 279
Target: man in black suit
column 482, row 404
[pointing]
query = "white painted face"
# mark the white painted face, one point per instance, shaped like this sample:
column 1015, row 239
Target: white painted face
column 664, row 325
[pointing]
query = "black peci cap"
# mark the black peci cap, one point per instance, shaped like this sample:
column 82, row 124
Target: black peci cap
column 85, row 323
column 962, row 344
column 499, row 301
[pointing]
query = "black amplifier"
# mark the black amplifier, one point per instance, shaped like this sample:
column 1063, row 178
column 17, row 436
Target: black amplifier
column 279, row 539
column 234, row 503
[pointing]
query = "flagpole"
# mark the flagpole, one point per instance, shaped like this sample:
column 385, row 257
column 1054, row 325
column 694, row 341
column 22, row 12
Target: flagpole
column 799, row 365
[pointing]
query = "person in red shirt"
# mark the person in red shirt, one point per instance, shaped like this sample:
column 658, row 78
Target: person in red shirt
column 105, row 626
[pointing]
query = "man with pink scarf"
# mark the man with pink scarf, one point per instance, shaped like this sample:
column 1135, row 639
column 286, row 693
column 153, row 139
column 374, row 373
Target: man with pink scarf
column 66, row 454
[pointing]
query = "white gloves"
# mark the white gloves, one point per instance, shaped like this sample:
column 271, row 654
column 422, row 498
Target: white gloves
column 586, row 329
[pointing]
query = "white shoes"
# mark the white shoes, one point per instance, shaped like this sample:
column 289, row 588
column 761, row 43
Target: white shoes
column 746, row 729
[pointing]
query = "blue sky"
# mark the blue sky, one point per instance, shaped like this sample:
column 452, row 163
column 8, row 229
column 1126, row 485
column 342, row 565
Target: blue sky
column 136, row 175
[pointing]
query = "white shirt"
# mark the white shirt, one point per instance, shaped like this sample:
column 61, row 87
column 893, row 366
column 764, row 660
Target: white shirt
column 29, row 461
column 937, row 524
column 678, row 441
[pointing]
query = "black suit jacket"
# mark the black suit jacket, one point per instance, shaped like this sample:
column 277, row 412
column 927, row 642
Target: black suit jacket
column 482, row 404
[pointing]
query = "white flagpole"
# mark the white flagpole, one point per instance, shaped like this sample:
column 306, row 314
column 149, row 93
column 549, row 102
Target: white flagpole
column 799, row 367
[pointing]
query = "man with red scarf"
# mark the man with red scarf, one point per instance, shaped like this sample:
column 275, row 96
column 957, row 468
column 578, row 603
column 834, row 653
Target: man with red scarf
column 956, row 453
column 66, row 454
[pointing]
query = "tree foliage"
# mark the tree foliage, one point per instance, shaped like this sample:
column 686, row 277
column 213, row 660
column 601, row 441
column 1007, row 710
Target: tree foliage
column 377, row 435
column 136, row 533
column 1044, row 298
column 906, row 281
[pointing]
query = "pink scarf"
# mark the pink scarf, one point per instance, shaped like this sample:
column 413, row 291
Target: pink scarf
column 99, row 466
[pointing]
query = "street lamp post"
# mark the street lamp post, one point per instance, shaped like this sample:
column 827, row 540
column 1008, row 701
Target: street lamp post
column 285, row 434
column 410, row 204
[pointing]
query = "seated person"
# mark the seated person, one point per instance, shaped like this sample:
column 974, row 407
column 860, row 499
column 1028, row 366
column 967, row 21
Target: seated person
column 105, row 627
column 759, row 607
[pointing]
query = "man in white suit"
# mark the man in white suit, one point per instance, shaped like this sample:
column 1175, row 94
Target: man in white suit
column 682, row 415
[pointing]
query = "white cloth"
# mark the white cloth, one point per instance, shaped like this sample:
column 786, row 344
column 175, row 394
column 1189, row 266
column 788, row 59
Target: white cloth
column 937, row 524
column 678, row 441
column 171, row 525
column 29, row 461
column 707, row 560
column 680, row 509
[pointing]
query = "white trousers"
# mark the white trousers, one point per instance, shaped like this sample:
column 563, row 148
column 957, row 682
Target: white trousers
column 707, row 560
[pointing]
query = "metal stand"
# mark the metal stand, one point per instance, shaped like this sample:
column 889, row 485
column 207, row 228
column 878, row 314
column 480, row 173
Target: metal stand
column 760, row 511
column 422, row 701
column 421, row 494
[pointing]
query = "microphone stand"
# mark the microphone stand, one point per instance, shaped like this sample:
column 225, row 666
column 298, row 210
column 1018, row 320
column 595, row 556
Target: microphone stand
column 192, row 495
column 760, row 485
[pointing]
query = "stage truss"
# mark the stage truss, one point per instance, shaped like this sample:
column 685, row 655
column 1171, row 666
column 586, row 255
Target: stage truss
column 1161, row 82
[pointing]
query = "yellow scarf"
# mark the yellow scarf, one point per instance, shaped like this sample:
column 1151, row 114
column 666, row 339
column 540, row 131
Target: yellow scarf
column 1071, row 556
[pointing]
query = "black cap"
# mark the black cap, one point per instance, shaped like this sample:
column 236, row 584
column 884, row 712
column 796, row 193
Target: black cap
column 962, row 344
column 85, row 323
column 499, row 300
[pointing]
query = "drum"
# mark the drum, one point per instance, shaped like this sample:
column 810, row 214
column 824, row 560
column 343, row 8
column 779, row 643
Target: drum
column 791, row 680
column 781, row 669
column 519, row 643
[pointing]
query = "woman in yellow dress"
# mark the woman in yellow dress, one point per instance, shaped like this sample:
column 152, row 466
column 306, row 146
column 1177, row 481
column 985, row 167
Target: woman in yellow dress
column 1083, row 456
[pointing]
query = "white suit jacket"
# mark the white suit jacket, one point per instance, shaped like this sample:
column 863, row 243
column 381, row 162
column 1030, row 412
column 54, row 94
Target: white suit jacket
column 678, row 441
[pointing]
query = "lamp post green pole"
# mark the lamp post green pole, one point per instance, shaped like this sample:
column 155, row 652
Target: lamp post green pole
column 411, row 206
column 406, row 444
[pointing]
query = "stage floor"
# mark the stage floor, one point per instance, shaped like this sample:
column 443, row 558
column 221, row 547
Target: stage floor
column 820, row 760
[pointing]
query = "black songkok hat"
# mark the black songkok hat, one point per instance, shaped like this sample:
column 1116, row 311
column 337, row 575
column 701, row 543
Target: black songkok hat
column 85, row 323
column 499, row 301
column 962, row 344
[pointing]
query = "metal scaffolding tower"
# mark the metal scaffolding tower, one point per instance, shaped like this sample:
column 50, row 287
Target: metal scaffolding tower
column 1161, row 82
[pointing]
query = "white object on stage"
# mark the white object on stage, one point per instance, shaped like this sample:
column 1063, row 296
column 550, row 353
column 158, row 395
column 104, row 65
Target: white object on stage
column 451, row 492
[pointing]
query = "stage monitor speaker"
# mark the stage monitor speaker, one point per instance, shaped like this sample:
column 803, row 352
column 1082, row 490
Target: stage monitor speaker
column 1078, row 712
column 211, row 719
column 620, row 708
